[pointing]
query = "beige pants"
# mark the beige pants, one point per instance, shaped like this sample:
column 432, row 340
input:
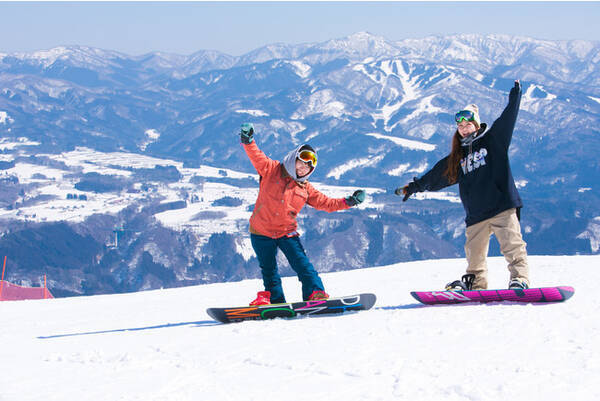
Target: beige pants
column 505, row 226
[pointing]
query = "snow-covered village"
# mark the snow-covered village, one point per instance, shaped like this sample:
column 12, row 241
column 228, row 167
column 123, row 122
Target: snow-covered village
column 259, row 207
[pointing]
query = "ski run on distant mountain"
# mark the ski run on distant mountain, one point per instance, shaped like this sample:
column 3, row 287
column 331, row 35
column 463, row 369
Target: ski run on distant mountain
column 123, row 173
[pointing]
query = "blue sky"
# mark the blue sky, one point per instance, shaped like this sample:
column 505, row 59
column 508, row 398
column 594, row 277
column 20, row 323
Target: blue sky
column 238, row 27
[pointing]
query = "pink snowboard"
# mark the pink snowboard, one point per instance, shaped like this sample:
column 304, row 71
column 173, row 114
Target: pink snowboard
column 530, row 295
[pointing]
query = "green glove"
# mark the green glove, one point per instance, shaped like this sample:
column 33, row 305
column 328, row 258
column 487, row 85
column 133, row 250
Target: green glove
column 247, row 133
column 356, row 198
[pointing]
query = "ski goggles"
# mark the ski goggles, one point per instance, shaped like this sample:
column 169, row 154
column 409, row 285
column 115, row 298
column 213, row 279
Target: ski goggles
column 308, row 157
column 466, row 115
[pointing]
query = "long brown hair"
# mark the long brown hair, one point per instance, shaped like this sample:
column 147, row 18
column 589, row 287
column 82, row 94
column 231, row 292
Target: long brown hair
column 451, row 172
column 453, row 166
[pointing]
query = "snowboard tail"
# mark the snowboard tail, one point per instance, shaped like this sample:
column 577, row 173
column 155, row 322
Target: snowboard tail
column 294, row 309
column 529, row 295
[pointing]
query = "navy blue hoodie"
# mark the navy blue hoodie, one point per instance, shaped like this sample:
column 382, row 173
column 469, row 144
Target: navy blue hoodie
column 485, row 181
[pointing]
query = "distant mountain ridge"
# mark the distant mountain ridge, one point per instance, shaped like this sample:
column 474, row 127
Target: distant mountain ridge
column 379, row 112
column 487, row 51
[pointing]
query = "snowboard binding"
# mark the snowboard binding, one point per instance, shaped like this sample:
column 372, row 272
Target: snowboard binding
column 464, row 284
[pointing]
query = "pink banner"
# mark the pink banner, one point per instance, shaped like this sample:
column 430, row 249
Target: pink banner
column 13, row 292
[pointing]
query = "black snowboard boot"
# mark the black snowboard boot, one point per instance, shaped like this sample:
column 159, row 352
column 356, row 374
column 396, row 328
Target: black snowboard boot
column 516, row 284
column 464, row 284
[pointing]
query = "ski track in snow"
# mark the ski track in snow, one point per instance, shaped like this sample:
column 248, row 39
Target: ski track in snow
column 161, row 345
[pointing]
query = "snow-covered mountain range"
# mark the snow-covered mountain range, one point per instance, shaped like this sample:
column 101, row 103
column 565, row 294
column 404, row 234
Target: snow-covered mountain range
column 146, row 149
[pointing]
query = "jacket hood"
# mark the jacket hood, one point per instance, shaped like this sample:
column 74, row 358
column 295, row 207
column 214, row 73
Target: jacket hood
column 289, row 163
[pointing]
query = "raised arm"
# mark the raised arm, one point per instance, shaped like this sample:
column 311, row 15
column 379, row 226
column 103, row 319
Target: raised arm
column 503, row 127
column 261, row 162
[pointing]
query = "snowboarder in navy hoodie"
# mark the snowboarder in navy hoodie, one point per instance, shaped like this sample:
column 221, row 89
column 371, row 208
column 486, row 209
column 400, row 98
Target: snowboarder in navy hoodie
column 479, row 163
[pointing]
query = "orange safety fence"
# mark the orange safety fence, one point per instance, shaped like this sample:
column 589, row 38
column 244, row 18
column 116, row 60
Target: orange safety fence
column 13, row 292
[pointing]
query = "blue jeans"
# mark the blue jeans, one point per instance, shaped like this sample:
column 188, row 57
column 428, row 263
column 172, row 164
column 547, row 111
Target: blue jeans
column 266, row 251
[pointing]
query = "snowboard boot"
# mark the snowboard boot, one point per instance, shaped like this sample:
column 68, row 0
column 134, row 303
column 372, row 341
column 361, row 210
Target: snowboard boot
column 464, row 284
column 318, row 296
column 516, row 284
column 262, row 298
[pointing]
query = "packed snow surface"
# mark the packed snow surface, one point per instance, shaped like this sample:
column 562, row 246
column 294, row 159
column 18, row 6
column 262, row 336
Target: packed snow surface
column 161, row 345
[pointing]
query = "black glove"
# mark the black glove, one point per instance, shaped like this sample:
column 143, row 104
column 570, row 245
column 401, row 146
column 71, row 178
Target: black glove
column 356, row 198
column 407, row 190
column 517, row 87
column 247, row 133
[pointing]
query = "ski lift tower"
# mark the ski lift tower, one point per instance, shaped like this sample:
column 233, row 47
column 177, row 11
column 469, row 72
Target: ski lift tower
column 118, row 231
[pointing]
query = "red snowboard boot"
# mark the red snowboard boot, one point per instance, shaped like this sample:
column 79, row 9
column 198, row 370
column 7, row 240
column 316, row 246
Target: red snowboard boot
column 318, row 296
column 262, row 298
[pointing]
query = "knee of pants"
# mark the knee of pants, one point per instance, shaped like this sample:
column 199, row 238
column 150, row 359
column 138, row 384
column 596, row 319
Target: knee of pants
column 294, row 252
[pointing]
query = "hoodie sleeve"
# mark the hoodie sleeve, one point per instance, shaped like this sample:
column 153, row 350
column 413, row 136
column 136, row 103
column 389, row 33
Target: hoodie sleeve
column 503, row 127
column 320, row 201
column 434, row 179
column 261, row 162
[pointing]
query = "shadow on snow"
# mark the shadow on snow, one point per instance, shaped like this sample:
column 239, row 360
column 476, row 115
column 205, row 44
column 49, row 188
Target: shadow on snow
column 161, row 326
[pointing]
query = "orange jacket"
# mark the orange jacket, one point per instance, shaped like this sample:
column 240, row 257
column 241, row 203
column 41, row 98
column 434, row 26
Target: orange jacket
column 280, row 197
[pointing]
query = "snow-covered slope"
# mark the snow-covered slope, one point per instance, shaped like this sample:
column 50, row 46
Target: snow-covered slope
column 161, row 345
